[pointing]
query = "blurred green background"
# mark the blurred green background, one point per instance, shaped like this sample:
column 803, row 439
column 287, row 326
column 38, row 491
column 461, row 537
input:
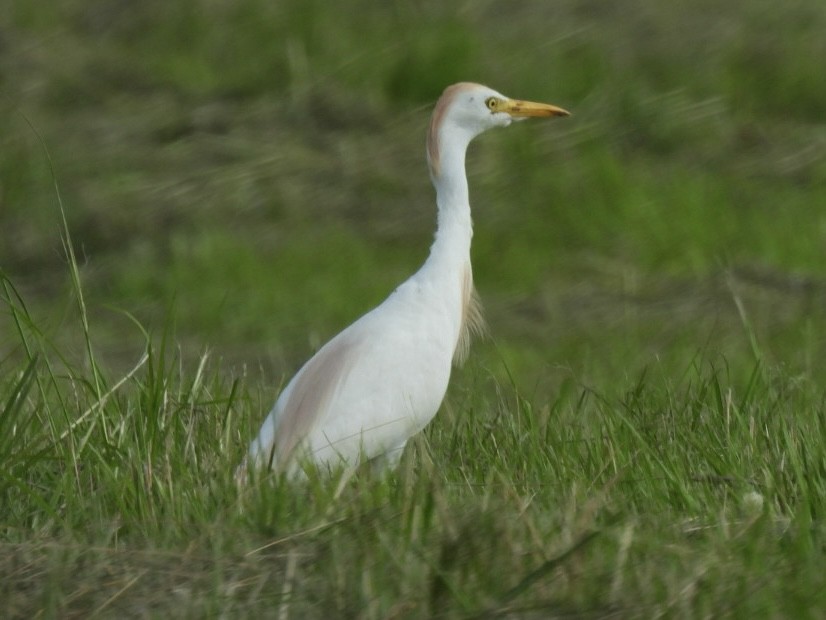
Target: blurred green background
column 641, row 436
column 250, row 175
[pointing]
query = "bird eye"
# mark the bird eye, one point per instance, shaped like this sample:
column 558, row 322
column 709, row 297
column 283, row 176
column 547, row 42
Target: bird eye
column 491, row 102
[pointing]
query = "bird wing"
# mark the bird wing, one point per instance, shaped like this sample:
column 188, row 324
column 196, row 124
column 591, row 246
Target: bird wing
column 368, row 389
column 310, row 394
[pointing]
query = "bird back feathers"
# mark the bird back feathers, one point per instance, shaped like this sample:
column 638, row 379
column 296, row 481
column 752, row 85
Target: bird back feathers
column 473, row 321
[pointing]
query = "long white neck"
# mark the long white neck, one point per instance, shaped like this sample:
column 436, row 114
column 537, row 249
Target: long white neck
column 454, row 226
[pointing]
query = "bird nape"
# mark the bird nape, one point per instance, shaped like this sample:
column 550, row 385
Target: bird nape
column 382, row 379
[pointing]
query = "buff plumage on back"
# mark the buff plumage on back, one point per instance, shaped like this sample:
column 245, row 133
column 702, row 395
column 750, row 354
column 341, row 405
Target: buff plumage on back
column 312, row 395
column 473, row 321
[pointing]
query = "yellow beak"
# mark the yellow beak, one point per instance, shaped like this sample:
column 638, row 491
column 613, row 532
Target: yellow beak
column 525, row 109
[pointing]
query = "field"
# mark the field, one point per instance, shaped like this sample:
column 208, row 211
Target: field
column 196, row 195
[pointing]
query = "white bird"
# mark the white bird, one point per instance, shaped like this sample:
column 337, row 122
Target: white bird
column 382, row 379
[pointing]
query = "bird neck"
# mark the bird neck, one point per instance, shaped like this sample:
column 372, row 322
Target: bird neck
column 454, row 226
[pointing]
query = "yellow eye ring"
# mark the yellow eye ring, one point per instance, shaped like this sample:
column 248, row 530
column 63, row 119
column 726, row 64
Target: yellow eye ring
column 492, row 103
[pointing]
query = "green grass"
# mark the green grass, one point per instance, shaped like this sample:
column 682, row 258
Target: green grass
column 643, row 434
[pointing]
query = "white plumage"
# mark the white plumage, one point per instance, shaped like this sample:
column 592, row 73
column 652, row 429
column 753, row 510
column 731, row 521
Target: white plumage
column 382, row 379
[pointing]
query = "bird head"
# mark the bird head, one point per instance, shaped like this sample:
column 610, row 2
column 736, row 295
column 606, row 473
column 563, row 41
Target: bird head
column 465, row 110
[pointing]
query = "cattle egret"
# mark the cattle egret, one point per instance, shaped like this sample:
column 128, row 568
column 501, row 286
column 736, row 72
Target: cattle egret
column 382, row 379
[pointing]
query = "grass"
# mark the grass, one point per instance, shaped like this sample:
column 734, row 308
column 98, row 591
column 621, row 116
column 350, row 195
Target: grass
column 642, row 436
